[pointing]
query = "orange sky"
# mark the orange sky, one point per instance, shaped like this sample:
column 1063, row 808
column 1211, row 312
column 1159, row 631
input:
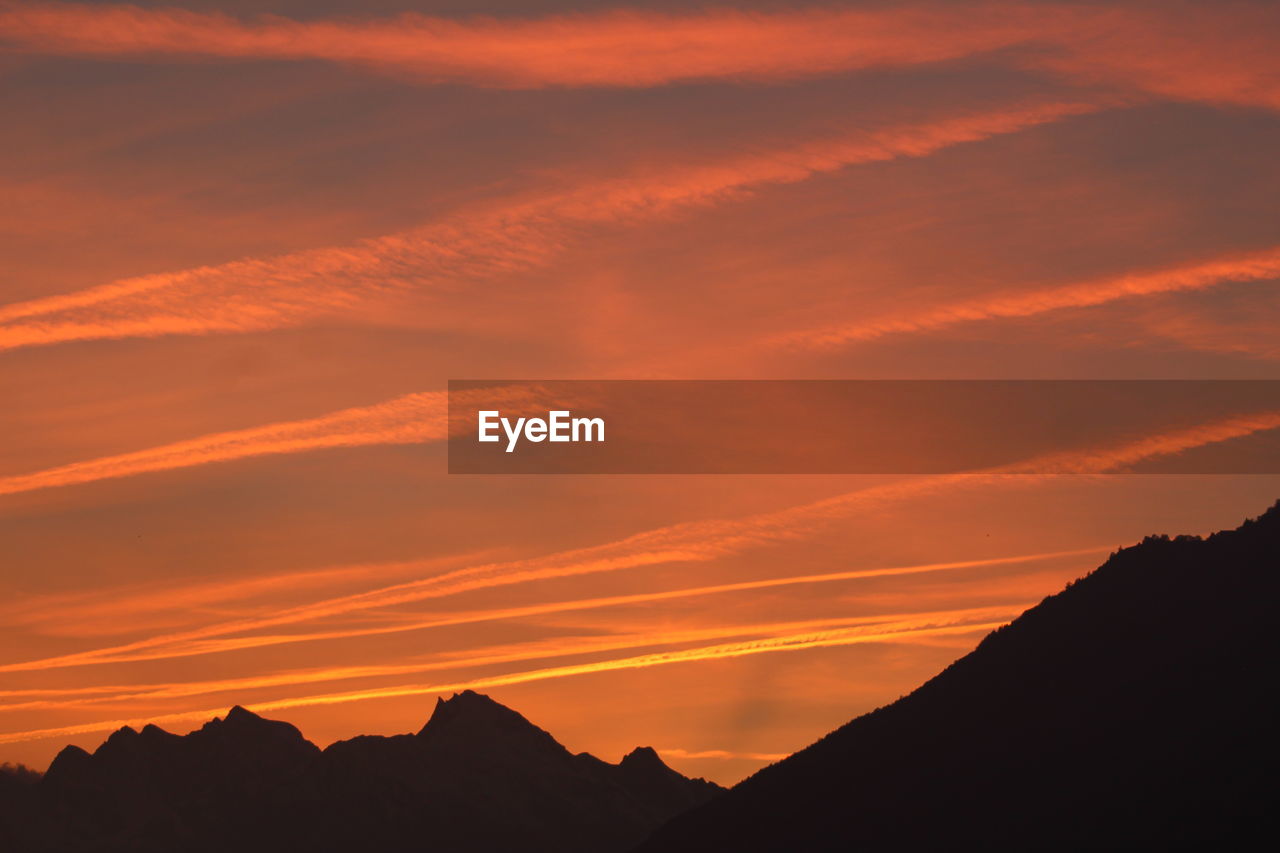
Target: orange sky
column 244, row 252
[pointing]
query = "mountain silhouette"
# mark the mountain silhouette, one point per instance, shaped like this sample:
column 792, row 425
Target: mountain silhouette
column 1133, row 710
column 477, row 777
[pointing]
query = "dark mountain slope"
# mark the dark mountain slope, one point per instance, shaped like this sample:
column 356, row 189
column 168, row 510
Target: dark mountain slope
column 1132, row 710
column 478, row 777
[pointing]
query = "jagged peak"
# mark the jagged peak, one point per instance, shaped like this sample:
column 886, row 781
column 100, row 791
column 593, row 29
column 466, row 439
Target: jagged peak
column 239, row 713
column 470, row 717
column 122, row 738
column 469, row 699
column 643, row 757
column 241, row 724
column 240, row 718
column 469, row 705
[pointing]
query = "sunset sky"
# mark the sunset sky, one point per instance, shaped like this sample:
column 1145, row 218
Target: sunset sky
column 246, row 244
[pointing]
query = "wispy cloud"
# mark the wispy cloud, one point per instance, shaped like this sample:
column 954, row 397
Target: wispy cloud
column 616, row 48
column 878, row 625
column 467, row 617
column 1174, row 49
column 411, row 419
column 676, row 752
column 124, row 609
column 501, row 237
column 422, row 417
column 688, row 542
column 791, row 642
column 404, row 420
column 1253, row 266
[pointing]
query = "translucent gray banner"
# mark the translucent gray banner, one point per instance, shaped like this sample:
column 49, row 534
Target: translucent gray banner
column 864, row 426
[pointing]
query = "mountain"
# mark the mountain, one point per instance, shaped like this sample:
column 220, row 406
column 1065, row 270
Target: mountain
column 477, row 777
column 1133, row 710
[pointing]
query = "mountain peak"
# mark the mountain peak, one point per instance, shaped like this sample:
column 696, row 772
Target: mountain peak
column 240, row 719
column 468, row 699
column 122, row 742
column 124, row 734
column 643, row 756
column 478, row 777
column 239, row 712
column 242, row 724
column 471, row 711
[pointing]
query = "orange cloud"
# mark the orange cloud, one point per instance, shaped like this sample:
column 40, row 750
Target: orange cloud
column 412, row 419
column 881, row 625
column 210, row 646
column 405, row 420
column 792, row 642
column 688, row 542
column 1162, row 444
column 606, row 49
column 1180, row 49
column 260, row 294
column 122, row 609
column 722, row 753
column 1255, row 266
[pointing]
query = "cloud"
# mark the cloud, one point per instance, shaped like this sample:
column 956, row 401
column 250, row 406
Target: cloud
column 202, row 646
column 1254, row 266
column 616, row 48
column 557, row 647
column 409, row 419
column 472, row 245
column 1222, row 53
column 124, row 609
column 676, row 752
column 699, row 541
column 792, row 642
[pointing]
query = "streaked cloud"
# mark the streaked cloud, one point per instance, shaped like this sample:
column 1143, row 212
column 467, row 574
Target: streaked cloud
column 516, row 234
column 123, row 609
column 557, row 647
column 1222, row 53
column 611, row 48
column 791, row 642
column 826, row 190
column 409, row 419
column 468, row 617
column 1248, row 267
column 676, row 752
column 689, row 542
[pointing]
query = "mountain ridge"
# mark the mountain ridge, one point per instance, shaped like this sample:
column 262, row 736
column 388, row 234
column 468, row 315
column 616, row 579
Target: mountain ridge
column 1129, row 710
column 477, row 776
